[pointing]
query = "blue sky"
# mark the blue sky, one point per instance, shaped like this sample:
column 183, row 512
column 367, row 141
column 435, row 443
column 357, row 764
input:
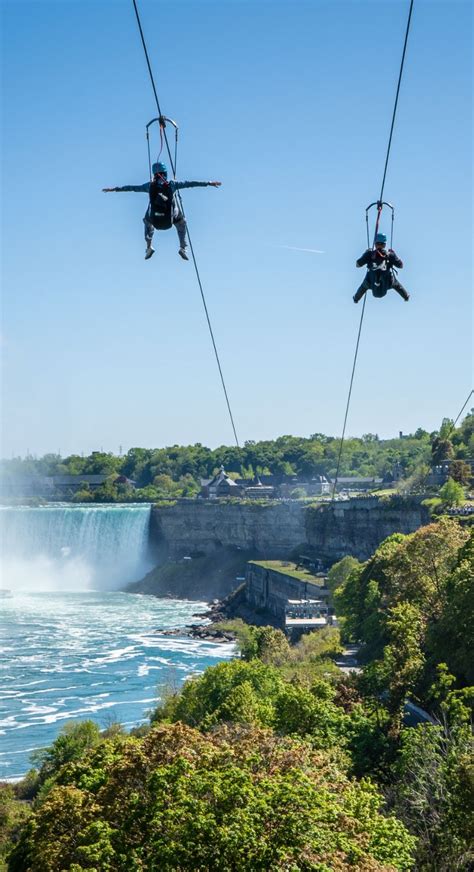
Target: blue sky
column 289, row 104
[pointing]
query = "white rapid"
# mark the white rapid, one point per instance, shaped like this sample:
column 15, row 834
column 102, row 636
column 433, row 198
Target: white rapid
column 73, row 547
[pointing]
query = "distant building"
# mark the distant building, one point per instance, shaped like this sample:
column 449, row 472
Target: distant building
column 358, row 483
column 220, row 486
column 257, row 490
column 315, row 486
column 122, row 479
column 442, row 471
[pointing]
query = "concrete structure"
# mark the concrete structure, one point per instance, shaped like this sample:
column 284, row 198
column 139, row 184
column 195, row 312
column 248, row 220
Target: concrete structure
column 272, row 590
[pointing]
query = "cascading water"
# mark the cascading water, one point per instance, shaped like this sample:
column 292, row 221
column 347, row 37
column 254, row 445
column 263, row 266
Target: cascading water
column 74, row 547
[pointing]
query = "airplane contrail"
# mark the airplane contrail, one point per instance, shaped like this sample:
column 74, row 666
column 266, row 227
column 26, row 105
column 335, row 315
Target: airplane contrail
column 295, row 248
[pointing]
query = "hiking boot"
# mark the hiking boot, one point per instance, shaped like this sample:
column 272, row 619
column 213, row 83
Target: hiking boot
column 183, row 253
column 149, row 252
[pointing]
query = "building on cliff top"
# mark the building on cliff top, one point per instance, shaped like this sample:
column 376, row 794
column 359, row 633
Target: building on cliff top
column 224, row 486
column 263, row 487
column 220, row 486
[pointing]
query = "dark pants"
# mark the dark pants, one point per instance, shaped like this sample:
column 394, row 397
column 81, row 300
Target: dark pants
column 380, row 288
column 178, row 221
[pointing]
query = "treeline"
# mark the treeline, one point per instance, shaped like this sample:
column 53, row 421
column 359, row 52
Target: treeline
column 177, row 470
column 275, row 760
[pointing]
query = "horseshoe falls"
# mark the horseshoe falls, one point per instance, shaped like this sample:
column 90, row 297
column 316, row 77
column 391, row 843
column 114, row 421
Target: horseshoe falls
column 74, row 547
column 73, row 646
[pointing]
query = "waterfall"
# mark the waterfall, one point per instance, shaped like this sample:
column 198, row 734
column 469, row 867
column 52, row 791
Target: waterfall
column 74, row 547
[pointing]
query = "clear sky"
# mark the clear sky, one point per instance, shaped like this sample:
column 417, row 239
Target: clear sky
column 289, row 104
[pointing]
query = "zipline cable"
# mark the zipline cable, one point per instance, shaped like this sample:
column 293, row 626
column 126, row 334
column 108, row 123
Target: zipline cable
column 349, row 397
column 379, row 212
column 201, row 289
column 396, row 101
column 462, row 410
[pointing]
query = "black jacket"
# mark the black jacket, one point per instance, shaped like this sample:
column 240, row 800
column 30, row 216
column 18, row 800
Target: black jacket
column 375, row 259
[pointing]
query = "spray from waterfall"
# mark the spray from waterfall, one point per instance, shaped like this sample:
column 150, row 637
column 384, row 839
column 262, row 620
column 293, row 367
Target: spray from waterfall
column 74, row 547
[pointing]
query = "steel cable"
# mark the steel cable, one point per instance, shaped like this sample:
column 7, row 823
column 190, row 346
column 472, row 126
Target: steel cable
column 201, row 289
column 389, row 146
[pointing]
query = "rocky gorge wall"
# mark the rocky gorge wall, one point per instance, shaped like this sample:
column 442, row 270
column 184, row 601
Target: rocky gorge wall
column 191, row 526
column 359, row 525
column 274, row 529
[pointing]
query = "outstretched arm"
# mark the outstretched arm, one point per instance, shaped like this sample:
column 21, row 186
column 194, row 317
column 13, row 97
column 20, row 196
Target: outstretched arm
column 139, row 189
column 180, row 185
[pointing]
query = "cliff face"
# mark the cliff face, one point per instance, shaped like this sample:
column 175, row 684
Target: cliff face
column 195, row 526
column 203, row 578
column 358, row 526
column 274, row 530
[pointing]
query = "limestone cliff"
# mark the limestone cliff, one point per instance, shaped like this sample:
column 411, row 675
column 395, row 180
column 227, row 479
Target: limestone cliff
column 194, row 526
column 358, row 526
column 275, row 529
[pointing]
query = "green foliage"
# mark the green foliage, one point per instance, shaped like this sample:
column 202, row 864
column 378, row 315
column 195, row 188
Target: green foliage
column 433, row 794
column 411, row 568
column 75, row 738
column 416, row 482
column 340, row 571
column 402, row 663
column 433, row 504
column 451, row 638
column 13, row 816
column 235, row 691
column 460, row 471
column 235, row 800
column 175, row 471
column 452, row 493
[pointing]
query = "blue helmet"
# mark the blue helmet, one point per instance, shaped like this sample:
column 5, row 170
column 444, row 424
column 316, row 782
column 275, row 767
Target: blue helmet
column 380, row 237
column 160, row 168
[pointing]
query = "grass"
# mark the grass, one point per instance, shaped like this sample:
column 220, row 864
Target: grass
column 288, row 568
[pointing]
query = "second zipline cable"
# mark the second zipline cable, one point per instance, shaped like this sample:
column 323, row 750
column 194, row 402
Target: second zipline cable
column 394, row 114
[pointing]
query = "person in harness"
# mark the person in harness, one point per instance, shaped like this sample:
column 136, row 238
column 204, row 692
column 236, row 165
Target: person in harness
column 380, row 275
column 163, row 210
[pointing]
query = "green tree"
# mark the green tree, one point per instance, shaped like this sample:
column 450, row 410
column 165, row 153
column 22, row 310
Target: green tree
column 433, row 794
column 461, row 472
column 74, row 738
column 403, row 659
column 452, row 493
column 235, row 800
column 452, row 636
column 417, row 481
column 340, row 572
column 13, row 816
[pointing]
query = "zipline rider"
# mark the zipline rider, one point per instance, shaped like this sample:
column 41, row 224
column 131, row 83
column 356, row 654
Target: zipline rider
column 380, row 275
column 163, row 210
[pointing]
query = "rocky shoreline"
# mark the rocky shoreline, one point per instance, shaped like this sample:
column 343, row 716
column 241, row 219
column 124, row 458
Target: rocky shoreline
column 216, row 612
column 232, row 606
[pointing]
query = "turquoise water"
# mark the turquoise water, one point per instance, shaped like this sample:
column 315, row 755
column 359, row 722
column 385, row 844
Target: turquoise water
column 88, row 654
